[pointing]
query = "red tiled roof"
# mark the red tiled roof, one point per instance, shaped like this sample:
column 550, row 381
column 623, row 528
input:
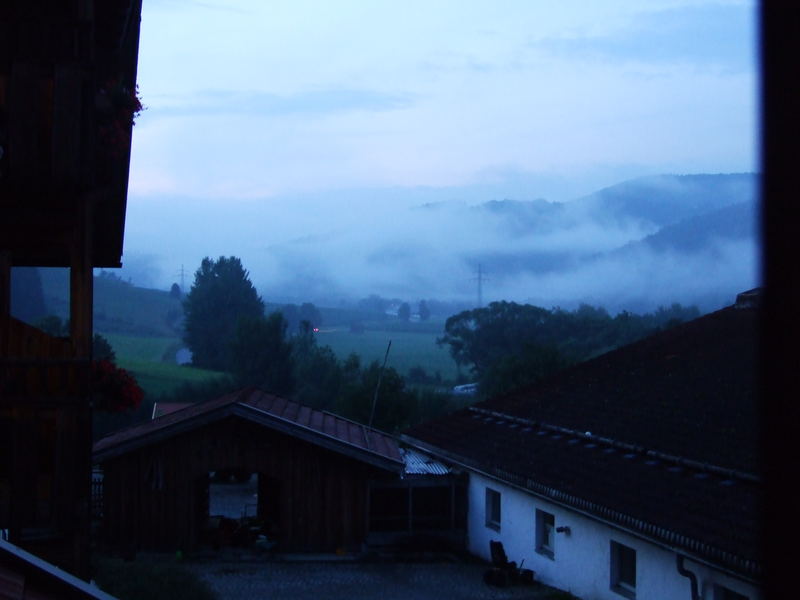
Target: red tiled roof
column 295, row 419
column 673, row 450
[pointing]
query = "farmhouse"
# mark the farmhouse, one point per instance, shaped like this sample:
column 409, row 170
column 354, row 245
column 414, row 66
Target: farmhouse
column 67, row 100
column 324, row 483
column 631, row 475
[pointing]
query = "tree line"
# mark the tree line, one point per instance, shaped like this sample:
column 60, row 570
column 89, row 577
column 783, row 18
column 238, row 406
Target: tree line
column 226, row 329
column 508, row 345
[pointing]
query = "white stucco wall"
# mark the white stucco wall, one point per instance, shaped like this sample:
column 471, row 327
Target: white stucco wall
column 581, row 561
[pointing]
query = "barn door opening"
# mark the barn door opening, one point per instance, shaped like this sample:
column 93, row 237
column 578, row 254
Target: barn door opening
column 233, row 494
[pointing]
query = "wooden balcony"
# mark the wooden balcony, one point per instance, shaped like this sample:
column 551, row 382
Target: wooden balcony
column 41, row 369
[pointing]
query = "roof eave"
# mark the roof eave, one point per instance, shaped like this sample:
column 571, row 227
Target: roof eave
column 751, row 575
column 253, row 414
column 316, row 437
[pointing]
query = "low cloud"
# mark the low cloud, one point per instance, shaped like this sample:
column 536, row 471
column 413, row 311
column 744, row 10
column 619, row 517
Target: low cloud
column 264, row 105
column 593, row 250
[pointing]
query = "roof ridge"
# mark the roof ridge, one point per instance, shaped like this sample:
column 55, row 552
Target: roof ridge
column 635, row 448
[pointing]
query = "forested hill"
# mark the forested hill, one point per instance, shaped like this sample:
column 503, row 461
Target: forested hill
column 119, row 306
column 666, row 199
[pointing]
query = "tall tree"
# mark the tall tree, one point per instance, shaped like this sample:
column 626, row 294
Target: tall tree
column 424, row 311
column 261, row 355
column 404, row 312
column 220, row 296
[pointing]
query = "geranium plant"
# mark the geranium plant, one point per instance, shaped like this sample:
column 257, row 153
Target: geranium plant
column 114, row 389
column 118, row 106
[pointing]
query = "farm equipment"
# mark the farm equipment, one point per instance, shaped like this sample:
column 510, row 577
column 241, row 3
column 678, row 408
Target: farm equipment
column 503, row 572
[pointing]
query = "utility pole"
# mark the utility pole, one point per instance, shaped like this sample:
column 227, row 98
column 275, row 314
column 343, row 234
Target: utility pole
column 377, row 387
column 182, row 274
column 480, row 286
column 480, row 279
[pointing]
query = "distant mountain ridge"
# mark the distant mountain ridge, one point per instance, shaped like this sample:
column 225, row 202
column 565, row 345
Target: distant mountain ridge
column 616, row 247
column 667, row 199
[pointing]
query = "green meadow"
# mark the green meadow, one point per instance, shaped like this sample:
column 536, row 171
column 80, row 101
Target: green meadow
column 152, row 362
column 409, row 349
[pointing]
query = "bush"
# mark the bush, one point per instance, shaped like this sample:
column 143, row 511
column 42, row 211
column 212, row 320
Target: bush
column 145, row 579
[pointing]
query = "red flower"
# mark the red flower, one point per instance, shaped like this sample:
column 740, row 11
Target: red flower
column 114, row 389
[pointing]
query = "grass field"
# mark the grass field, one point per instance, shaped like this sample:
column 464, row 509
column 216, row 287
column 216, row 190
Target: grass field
column 151, row 359
column 135, row 347
column 409, row 349
column 144, row 357
column 160, row 378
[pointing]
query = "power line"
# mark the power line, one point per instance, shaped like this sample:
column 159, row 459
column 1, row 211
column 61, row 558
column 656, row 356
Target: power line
column 182, row 275
column 480, row 278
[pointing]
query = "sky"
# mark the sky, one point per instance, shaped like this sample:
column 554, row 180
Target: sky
column 271, row 121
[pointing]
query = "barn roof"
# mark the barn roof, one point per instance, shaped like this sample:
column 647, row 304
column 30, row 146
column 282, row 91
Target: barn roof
column 660, row 437
column 312, row 425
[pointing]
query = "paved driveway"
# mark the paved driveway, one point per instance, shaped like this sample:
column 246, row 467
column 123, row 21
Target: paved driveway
column 353, row 580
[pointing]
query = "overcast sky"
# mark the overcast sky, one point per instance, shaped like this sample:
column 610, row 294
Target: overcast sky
column 258, row 105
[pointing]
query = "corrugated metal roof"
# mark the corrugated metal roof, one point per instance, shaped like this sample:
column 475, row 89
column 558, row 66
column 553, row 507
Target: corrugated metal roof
column 315, row 425
column 422, row 464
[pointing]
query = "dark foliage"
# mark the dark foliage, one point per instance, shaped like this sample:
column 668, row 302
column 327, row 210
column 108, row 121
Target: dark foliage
column 424, row 311
column 221, row 295
column 260, row 354
column 396, row 407
column 507, row 344
column 53, row 325
column 146, row 579
column 295, row 316
column 102, row 350
column 101, row 347
column 404, row 312
column 200, row 391
column 317, row 373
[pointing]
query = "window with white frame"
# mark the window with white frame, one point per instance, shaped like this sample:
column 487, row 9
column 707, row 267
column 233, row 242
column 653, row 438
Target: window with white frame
column 623, row 570
column 545, row 533
column 493, row 509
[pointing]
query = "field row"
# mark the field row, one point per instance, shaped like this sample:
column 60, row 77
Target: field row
column 152, row 359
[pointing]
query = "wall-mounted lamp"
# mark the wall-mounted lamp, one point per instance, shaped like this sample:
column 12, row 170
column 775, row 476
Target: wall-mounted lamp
column 563, row 529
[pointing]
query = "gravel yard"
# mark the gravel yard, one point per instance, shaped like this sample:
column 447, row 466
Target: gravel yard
column 235, row 575
column 347, row 580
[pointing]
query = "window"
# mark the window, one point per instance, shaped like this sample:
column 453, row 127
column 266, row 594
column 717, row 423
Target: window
column 493, row 509
column 545, row 533
column 623, row 570
column 723, row 593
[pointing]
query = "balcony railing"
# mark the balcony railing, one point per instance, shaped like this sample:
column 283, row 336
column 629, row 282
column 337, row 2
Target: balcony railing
column 40, row 367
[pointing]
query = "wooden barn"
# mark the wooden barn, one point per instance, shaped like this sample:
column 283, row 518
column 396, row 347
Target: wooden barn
column 67, row 102
column 314, row 472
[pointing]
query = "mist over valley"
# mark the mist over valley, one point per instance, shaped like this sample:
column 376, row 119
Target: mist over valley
column 633, row 246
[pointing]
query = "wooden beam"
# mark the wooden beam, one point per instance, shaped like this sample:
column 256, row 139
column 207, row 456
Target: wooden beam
column 24, row 109
column 81, row 284
column 5, row 300
column 66, row 154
